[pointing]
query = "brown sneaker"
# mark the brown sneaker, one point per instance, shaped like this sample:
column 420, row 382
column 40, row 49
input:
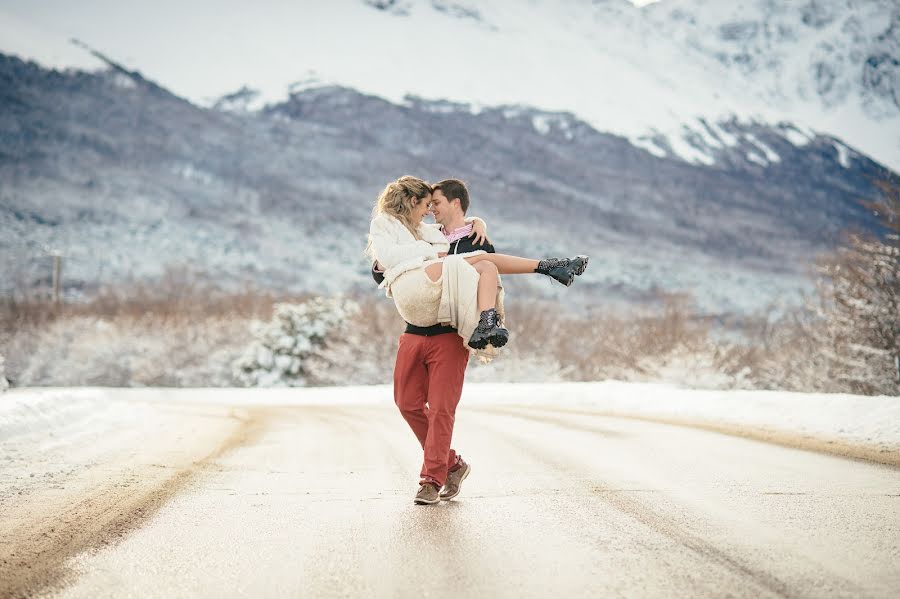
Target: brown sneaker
column 454, row 481
column 427, row 495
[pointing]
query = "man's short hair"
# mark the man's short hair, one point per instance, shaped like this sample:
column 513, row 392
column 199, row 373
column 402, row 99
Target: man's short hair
column 453, row 189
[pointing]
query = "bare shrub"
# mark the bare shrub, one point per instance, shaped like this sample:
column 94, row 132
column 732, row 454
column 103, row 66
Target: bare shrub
column 859, row 304
column 171, row 331
column 4, row 384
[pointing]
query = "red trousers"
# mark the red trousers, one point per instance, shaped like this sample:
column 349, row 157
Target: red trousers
column 428, row 381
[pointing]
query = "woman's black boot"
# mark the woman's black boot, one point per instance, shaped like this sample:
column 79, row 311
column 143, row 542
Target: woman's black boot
column 489, row 331
column 563, row 270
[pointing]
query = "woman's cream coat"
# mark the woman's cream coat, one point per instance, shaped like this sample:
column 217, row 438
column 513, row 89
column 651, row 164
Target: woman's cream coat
column 398, row 252
column 395, row 248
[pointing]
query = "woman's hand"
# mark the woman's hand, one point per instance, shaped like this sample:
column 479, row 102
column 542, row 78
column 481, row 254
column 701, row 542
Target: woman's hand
column 442, row 254
column 479, row 232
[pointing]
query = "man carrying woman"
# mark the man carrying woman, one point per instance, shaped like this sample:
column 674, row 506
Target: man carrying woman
column 415, row 261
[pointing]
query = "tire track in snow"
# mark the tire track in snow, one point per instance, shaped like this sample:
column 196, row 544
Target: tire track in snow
column 36, row 540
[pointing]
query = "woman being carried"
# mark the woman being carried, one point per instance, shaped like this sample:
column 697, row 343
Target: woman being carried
column 414, row 253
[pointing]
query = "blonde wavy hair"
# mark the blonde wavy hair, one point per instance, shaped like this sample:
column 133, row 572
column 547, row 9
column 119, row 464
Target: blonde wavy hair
column 398, row 199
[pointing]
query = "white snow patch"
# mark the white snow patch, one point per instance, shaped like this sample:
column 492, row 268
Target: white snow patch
column 754, row 157
column 440, row 108
column 704, row 133
column 688, row 152
column 512, row 112
column 123, row 81
column 647, row 144
column 843, row 154
column 541, row 123
column 796, row 136
column 545, row 123
column 726, row 138
column 769, row 153
column 26, row 412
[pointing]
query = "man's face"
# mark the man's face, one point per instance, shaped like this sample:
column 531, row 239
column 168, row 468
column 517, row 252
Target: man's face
column 441, row 208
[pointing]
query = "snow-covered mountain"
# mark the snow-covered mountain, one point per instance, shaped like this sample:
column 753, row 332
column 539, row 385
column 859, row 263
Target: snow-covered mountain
column 657, row 75
column 834, row 64
column 125, row 178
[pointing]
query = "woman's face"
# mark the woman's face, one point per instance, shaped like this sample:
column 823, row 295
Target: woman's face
column 421, row 209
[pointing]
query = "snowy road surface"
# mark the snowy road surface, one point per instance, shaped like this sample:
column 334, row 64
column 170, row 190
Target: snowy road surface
column 149, row 495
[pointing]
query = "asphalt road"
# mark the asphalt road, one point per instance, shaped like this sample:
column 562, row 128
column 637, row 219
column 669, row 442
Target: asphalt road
column 317, row 502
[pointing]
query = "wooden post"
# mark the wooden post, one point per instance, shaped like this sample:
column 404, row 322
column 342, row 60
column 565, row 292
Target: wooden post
column 57, row 267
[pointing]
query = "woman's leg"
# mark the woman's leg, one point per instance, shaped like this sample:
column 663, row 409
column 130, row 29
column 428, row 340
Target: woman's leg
column 506, row 264
column 487, row 282
column 489, row 330
column 487, row 285
column 434, row 270
column 563, row 270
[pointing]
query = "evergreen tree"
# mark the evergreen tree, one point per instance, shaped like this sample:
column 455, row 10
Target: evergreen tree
column 288, row 351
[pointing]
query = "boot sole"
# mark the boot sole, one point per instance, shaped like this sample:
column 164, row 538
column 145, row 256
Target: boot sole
column 499, row 341
column 577, row 271
column 426, row 502
column 459, row 487
column 582, row 266
column 496, row 340
column 478, row 344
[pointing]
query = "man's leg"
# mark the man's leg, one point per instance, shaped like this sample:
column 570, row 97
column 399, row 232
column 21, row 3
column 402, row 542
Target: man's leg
column 446, row 358
column 411, row 384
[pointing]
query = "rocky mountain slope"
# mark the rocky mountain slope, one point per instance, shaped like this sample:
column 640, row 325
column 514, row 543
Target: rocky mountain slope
column 125, row 178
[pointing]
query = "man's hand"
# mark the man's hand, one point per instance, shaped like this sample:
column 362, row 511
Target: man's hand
column 442, row 254
column 479, row 233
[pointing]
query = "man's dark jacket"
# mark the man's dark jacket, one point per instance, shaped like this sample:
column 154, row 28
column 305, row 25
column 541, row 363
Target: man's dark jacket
column 460, row 246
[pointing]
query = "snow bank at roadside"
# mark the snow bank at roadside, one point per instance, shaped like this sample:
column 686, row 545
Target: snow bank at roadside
column 31, row 411
column 856, row 420
column 852, row 419
column 50, row 418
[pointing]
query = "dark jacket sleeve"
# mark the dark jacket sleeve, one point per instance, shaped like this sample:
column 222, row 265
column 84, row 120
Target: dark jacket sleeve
column 466, row 245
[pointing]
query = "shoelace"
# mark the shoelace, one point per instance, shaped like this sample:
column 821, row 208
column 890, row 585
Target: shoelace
column 547, row 264
column 487, row 322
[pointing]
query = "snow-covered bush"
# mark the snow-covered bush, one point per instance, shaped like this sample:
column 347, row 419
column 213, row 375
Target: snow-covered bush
column 289, row 350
